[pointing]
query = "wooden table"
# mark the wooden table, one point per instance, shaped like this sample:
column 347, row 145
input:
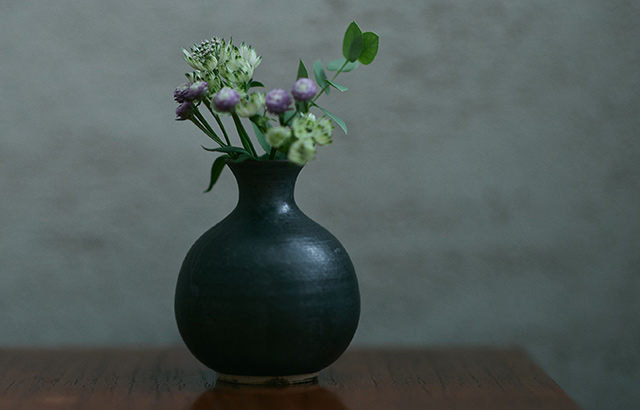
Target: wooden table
column 170, row 378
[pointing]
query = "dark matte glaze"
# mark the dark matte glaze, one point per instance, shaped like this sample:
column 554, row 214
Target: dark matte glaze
column 267, row 291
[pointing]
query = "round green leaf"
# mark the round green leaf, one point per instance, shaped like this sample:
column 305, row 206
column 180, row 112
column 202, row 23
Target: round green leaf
column 370, row 41
column 352, row 42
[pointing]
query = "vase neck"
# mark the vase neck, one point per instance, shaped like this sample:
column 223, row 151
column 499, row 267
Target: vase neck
column 266, row 184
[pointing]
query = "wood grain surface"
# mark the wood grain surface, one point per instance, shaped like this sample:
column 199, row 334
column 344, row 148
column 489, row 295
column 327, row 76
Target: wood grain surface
column 170, row 378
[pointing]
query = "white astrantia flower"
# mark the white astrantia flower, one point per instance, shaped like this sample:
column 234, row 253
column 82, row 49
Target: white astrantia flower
column 237, row 71
column 304, row 126
column 277, row 136
column 301, row 152
column 250, row 105
column 226, row 52
column 249, row 55
column 324, row 128
column 204, row 56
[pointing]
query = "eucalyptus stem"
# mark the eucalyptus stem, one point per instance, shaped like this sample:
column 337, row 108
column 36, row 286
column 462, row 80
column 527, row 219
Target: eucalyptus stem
column 327, row 85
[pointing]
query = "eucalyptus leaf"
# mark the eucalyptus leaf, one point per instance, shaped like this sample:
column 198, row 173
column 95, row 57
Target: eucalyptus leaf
column 321, row 76
column 302, row 71
column 338, row 87
column 352, row 42
column 336, row 64
column 370, row 42
column 216, row 170
column 337, row 120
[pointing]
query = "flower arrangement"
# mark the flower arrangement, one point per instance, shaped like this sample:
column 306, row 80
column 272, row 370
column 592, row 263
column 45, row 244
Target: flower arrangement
column 222, row 83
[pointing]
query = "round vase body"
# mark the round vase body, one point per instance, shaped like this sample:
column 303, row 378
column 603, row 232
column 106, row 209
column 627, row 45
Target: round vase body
column 267, row 293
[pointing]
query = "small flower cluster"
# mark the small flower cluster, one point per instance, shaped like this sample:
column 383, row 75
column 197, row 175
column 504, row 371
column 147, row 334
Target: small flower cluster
column 219, row 67
column 187, row 95
column 221, row 64
column 230, row 70
column 300, row 139
column 222, row 81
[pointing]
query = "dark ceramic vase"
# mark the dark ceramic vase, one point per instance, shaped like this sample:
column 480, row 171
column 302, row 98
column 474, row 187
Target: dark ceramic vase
column 267, row 295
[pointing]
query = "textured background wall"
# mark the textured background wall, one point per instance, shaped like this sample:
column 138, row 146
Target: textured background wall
column 488, row 190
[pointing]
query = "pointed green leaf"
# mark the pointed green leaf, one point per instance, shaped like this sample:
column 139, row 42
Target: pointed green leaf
column 216, row 170
column 337, row 120
column 302, row 71
column 320, row 75
column 352, row 42
column 244, row 137
column 339, row 62
column 262, row 140
column 228, row 150
column 288, row 115
column 254, row 83
column 370, row 42
column 338, row 87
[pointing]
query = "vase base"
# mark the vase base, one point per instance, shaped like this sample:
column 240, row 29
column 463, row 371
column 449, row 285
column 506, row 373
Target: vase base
column 268, row 380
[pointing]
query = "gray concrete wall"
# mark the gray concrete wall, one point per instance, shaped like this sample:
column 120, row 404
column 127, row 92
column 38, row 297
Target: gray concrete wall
column 488, row 190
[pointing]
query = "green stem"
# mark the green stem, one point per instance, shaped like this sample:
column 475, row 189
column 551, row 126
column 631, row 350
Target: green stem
column 206, row 131
column 327, row 85
column 204, row 126
column 221, row 125
column 244, row 137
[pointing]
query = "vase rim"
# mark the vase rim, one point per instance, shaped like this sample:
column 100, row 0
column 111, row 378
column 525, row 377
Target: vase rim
column 269, row 162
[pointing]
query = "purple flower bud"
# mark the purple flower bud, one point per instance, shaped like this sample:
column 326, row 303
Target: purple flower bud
column 277, row 101
column 226, row 99
column 197, row 91
column 304, row 89
column 180, row 93
column 183, row 112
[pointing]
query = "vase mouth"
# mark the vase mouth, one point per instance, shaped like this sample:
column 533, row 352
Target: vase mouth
column 275, row 165
column 269, row 163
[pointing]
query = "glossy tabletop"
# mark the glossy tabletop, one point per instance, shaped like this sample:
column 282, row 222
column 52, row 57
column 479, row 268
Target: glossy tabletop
column 381, row 379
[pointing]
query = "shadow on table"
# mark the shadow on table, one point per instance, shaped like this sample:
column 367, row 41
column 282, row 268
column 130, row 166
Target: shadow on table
column 226, row 396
